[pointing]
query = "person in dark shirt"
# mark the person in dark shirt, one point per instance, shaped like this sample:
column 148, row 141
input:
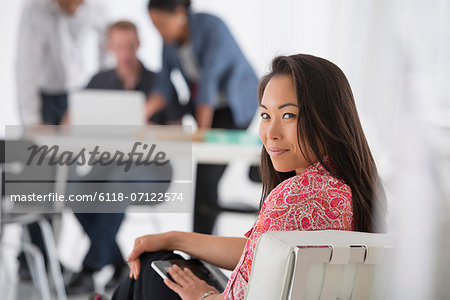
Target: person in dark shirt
column 221, row 81
column 129, row 74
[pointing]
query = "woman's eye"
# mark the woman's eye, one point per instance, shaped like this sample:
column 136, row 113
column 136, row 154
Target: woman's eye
column 265, row 116
column 289, row 116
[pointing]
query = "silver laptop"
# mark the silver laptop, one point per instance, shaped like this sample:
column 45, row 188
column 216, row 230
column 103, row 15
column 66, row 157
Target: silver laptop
column 107, row 107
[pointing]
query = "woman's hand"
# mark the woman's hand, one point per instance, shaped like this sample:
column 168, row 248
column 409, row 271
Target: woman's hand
column 146, row 243
column 186, row 284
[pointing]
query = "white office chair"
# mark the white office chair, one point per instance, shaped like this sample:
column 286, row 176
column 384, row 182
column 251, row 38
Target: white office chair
column 33, row 254
column 325, row 265
column 16, row 154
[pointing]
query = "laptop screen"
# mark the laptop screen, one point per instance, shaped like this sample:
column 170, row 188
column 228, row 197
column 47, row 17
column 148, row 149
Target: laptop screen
column 107, row 107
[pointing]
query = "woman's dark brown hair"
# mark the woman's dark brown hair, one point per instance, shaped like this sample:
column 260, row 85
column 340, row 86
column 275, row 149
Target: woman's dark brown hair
column 328, row 122
column 168, row 5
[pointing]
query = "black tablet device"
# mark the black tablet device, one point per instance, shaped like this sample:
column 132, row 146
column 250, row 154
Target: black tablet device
column 207, row 272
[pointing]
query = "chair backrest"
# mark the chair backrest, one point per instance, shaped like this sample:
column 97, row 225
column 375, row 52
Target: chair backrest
column 325, row 265
column 1, row 203
column 2, row 186
column 25, row 178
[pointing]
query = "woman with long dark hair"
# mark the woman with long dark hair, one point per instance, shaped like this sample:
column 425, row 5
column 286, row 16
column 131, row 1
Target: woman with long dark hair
column 317, row 171
column 328, row 122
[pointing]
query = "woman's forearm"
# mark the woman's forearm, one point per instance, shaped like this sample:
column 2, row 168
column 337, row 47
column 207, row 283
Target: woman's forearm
column 223, row 252
column 204, row 115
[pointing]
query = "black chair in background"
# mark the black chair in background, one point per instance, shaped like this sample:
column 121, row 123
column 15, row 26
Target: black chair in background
column 205, row 214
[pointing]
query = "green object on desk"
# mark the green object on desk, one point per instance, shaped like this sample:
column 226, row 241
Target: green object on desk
column 224, row 136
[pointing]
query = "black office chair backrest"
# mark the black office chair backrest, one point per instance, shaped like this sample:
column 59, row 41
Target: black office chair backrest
column 22, row 176
column 1, row 203
column 2, row 163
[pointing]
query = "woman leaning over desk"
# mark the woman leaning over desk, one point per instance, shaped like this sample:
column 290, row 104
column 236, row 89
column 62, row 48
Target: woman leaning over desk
column 317, row 170
column 221, row 81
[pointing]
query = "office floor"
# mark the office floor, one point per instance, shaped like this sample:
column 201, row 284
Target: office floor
column 73, row 243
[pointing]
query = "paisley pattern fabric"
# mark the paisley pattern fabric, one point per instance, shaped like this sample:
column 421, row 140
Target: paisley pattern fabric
column 313, row 200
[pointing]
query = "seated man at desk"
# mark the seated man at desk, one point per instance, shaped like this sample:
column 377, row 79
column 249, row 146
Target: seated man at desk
column 129, row 74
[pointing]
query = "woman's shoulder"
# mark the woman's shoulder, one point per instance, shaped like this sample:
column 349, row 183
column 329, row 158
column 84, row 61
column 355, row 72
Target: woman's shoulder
column 208, row 22
column 313, row 181
column 206, row 17
column 312, row 200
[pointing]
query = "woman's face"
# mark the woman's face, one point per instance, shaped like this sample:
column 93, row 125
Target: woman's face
column 278, row 128
column 171, row 25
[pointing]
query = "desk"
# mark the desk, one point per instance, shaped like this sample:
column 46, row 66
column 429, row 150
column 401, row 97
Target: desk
column 220, row 153
column 202, row 152
column 220, row 148
column 183, row 153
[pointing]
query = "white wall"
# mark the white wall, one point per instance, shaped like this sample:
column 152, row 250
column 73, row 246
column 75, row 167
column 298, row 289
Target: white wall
column 263, row 28
column 351, row 33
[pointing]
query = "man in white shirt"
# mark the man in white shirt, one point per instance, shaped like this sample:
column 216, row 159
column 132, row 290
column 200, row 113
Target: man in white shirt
column 52, row 58
column 53, row 51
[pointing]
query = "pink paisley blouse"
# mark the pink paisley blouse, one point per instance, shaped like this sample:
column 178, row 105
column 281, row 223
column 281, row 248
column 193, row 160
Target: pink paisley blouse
column 313, row 200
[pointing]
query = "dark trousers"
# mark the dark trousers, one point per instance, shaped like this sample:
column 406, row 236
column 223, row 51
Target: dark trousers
column 102, row 222
column 149, row 284
column 53, row 108
column 102, row 229
column 207, row 184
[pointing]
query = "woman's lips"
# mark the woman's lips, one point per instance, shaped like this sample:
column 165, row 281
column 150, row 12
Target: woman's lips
column 277, row 151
